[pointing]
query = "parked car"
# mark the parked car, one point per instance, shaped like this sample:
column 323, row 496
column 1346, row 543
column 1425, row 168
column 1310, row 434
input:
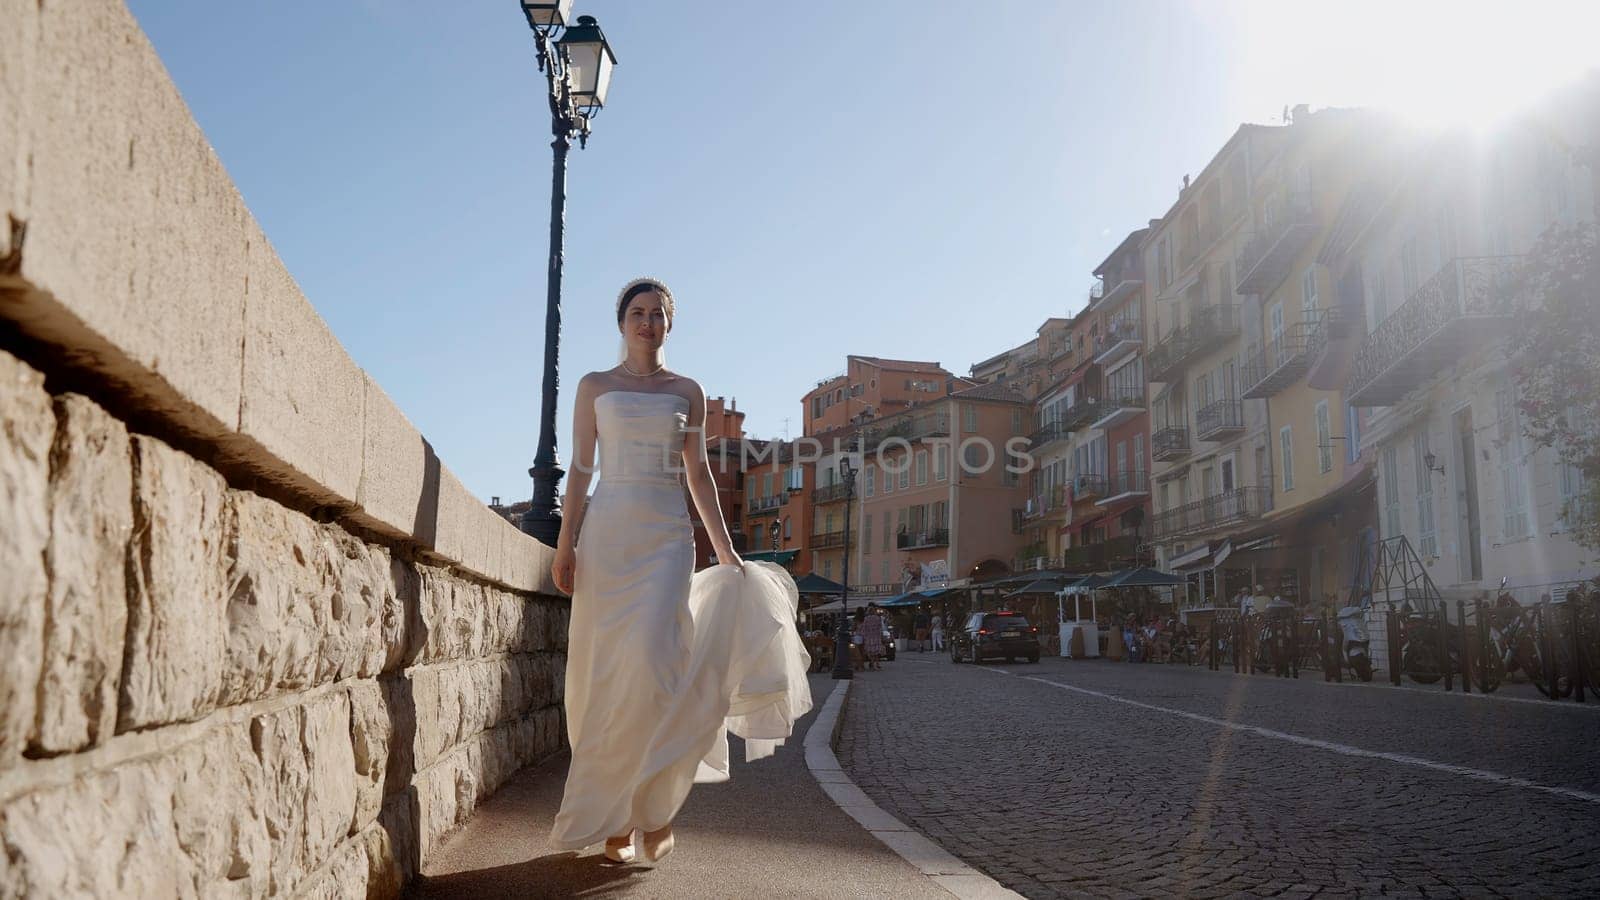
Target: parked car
column 1002, row 633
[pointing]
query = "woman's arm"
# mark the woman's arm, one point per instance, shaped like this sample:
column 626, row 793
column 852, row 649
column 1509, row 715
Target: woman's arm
column 575, row 501
column 702, row 488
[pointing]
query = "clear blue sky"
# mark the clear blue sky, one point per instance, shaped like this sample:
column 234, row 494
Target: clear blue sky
column 902, row 178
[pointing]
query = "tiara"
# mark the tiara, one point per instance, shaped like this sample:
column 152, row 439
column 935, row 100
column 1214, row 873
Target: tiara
column 654, row 282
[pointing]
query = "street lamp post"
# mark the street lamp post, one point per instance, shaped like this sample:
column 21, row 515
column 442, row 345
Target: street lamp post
column 776, row 529
column 577, row 64
column 841, row 644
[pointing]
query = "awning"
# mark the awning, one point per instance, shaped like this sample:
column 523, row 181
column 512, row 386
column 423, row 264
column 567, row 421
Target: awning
column 812, row 583
column 781, row 557
column 1197, row 559
column 1043, row 586
column 1143, row 577
column 1086, row 584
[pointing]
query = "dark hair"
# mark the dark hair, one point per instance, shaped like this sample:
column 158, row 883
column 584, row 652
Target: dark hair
column 644, row 286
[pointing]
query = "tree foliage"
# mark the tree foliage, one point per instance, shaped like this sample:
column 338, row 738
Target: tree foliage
column 1555, row 356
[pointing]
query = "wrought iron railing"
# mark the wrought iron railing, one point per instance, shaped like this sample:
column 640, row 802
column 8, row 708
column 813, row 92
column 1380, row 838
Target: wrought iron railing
column 910, row 429
column 1222, row 509
column 1080, row 414
column 1294, row 210
column 830, row 493
column 1119, row 330
column 1129, row 481
column 1219, row 416
column 1466, row 288
column 1170, row 442
column 1051, row 431
column 1085, row 487
column 937, row 537
column 766, row 504
column 1208, row 326
column 831, row 539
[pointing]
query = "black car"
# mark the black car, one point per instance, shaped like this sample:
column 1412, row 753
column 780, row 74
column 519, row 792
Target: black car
column 991, row 634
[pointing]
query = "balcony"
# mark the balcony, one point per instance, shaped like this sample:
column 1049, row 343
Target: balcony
column 831, row 540
column 1208, row 328
column 1219, row 420
column 910, row 429
column 1124, row 285
column 917, row 540
column 1265, row 259
column 1080, row 414
column 1088, row 487
column 1112, row 554
column 1125, row 485
column 1032, row 559
column 1284, row 361
column 1466, row 303
column 1122, row 337
column 1229, row 508
column 1118, row 410
column 1169, row 444
column 830, row 493
column 1051, row 432
column 761, row 506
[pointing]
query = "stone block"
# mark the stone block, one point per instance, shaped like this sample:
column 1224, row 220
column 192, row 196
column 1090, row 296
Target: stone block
column 309, row 773
column 403, row 630
column 398, row 853
column 525, row 563
column 344, row 877
column 306, row 605
column 461, row 535
column 452, row 615
column 91, row 522
column 27, row 429
column 181, row 824
column 302, row 394
column 399, row 488
column 385, row 873
column 400, row 705
column 370, row 731
column 136, row 236
column 178, row 598
column 19, row 24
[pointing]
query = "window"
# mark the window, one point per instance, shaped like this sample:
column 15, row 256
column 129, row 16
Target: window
column 1512, row 491
column 974, row 458
column 796, row 478
column 766, row 485
column 922, row 467
column 888, row 479
column 816, row 407
column 1324, row 438
column 827, row 568
column 1427, row 538
column 788, row 532
column 1016, row 421
column 1164, row 263
column 1122, row 458
column 1308, row 293
column 1352, row 434
column 871, row 477
column 1138, row 453
column 1275, row 353
column 1391, row 493
column 888, row 538
column 866, row 534
column 941, row 461
column 1380, row 300
column 1166, row 496
column 904, row 475
column 1228, row 481
column 1569, row 481
column 1286, row 453
column 969, row 418
column 1410, row 269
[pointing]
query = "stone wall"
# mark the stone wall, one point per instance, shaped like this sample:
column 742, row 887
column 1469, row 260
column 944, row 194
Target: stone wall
column 255, row 639
column 205, row 693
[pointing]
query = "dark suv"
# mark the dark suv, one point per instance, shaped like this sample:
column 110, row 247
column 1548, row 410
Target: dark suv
column 991, row 634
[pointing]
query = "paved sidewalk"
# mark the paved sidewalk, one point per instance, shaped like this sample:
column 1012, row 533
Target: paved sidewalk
column 771, row 832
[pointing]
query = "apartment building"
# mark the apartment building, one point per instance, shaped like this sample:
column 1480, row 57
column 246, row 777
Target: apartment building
column 1430, row 276
column 937, row 491
column 1211, row 457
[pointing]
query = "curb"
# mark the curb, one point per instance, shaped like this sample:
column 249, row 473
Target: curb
column 927, row 857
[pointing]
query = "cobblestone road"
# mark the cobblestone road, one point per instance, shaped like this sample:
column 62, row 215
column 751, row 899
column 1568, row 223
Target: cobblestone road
column 1068, row 779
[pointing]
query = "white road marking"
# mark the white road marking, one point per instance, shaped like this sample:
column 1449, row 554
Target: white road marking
column 1330, row 746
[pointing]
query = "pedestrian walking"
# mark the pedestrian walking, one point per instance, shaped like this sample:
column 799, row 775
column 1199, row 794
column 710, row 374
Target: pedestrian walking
column 872, row 638
column 920, row 630
column 938, row 633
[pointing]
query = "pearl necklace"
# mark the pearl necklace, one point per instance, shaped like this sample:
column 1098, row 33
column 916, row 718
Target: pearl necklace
column 639, row 375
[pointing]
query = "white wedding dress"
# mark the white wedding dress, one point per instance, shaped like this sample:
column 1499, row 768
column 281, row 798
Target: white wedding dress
column 663, row 662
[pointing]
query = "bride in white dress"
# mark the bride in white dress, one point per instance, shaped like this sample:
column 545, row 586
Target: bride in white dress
column 662, row 662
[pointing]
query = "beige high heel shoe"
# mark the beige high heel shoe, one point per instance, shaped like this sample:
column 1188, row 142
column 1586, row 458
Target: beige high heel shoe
column 656, row 848
column 620, row 853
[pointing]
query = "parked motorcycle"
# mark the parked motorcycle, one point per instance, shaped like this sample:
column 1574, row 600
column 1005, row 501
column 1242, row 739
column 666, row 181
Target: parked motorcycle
column 1355, row 643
